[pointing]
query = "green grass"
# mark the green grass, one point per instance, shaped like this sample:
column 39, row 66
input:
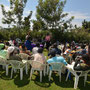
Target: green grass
column 6, row 83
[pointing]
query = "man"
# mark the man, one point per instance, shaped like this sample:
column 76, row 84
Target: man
column 56, row 59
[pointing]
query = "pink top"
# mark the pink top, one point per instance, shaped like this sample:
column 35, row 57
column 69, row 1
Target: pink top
column 47, row 38
column 39, row 58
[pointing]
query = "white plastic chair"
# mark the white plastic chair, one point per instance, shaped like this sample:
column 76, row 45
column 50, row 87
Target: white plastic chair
column 55, row 67
column 37, row 66
column 4, row 62
column 82, row 73
column 17, row 65
column 25, row 57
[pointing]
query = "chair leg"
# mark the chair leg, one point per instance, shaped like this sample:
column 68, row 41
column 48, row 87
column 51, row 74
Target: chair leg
column 40, row 76
column 60, row 76
column 50, row 75
column 67, row 76
column 47, row 69
column 44, row 71
column 85, row 79
column 3, row 67
column 6, row 70
column 31, row 73
column 76, row 82
column 26, row 69
column 15, row 70
column 21, row 73
column 11, row 72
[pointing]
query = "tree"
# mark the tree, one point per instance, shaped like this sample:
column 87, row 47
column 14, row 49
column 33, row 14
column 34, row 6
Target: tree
column 36, row 25
column 50, row 14
column 14, row 16
column 26, row 22
column 86, row 25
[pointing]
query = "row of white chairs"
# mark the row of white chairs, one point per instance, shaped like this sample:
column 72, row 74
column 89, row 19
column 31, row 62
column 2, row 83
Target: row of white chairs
column 42, row 68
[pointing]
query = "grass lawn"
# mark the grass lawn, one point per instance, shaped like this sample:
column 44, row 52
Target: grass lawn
column 6, row 83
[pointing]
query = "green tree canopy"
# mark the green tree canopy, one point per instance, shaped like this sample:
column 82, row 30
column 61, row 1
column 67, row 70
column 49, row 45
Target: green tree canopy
column 14, row 16
column 50, row 14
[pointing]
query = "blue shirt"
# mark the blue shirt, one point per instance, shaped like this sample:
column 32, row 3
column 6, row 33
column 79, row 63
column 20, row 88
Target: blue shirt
column 57, row 59
column 28, row 45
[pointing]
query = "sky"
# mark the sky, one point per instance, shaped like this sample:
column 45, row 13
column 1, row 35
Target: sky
column 80, row 9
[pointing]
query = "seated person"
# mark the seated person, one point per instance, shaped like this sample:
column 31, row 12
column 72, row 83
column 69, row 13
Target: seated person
column 68, row 50
column 56, row 59
column 83, row 50
column 73, row 51
column 7, row 45
column 13, row 54
column 58, row 51
column 3, row 52
column 24, row 50
column 35, row 49
column 83, row 64
column 39, row 57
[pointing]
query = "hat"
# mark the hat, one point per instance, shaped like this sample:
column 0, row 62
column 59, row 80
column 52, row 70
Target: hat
column 10, row 49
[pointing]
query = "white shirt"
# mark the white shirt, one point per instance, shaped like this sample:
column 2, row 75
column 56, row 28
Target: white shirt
column 35, row 50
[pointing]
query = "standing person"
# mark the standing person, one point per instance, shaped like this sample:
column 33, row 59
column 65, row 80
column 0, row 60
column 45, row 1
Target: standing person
column 28, row 35
column 28, row 44
column 47, row 39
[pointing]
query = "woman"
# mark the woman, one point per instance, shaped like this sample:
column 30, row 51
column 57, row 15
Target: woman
column 82, row 65
column 39, row 57
column 24, row 50
column 47, row 39
column 28, row 44
column 35, row 49
column 13, row 54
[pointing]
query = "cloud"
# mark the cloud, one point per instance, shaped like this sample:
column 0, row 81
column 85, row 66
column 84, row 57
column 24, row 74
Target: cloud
column 34, row 15
column 1, row 16
column 78, row 17
column 8, row 0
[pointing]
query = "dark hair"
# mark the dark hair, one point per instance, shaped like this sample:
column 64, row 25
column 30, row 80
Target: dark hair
column 23, row 47
column 3, row 47
column 86, row 58
column 82, row 46
column 38, row 44
column 74, row 48
column 74, row 56
column 53, row 52
column 48, row 34
column 89, row 49
column 40, row 50
column 68, row 47
column 7, row 43
column 55, row 45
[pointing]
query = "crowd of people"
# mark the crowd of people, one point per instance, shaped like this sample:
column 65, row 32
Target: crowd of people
column 66, row 53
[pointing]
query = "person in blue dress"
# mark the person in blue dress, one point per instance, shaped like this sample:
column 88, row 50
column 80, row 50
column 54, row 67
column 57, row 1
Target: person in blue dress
column 28, row 44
